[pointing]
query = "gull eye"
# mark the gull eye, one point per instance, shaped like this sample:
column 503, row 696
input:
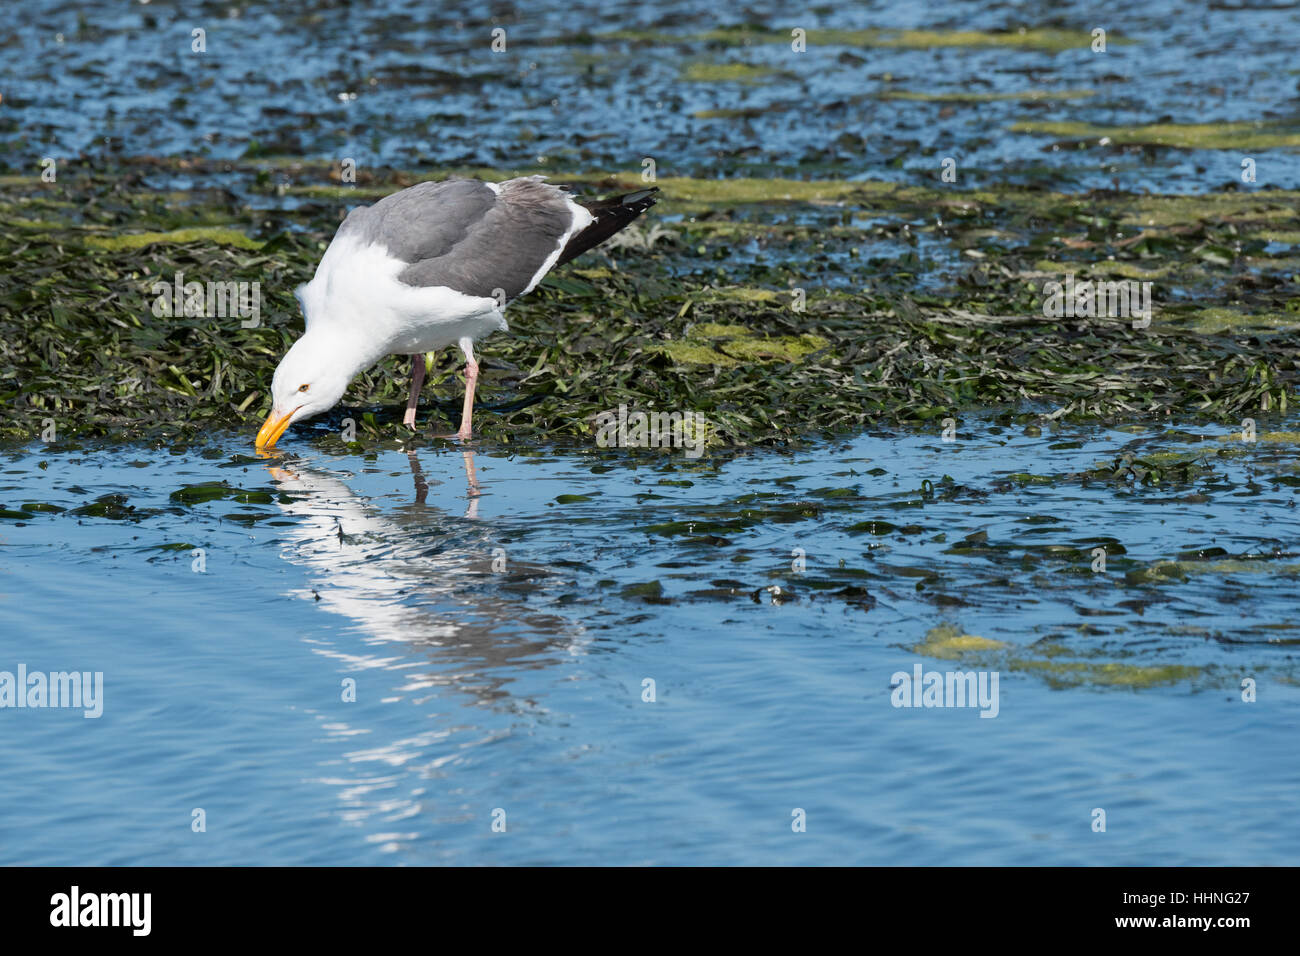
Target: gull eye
column 303, row 388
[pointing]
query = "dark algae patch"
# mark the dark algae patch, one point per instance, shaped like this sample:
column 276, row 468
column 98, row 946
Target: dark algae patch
column 776, row 309
column 220, row 491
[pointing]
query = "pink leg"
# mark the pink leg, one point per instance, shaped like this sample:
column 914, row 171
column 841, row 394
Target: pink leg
column 471, row 379
column 470, row 474
column 417, row 380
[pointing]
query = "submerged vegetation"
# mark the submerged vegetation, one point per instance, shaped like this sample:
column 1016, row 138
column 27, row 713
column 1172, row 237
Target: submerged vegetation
column 774, row 308
column 1185, row 136
column 1053, row 662
column 1044, row 39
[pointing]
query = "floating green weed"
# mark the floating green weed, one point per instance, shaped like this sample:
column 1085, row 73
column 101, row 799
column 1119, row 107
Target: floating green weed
column 138, row 240
column 1185, row 136
column 704, row 72
column 958, row 96
column 1048, row 661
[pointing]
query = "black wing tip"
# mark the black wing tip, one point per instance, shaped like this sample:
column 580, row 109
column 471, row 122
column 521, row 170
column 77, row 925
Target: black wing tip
column 647, row 196
column 627, row 205
column 641, row 197
column 609, row 215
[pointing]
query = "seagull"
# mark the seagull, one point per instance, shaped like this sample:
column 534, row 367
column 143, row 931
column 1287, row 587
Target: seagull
column 424, row 268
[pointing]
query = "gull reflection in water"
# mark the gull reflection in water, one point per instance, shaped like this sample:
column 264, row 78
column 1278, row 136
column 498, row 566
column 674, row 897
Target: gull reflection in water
column 444, row 622
column 471, row 481
column 415, row 574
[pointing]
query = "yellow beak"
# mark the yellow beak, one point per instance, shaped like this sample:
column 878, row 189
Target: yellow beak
column 271, row 430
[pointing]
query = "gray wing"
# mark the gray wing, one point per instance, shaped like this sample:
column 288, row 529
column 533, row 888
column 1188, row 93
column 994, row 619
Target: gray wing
column 467, row 236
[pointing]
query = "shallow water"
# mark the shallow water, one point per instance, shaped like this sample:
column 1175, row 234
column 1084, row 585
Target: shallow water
column 520, row 688
column 597, row 86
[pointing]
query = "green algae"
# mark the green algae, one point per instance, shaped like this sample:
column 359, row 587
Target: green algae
column 1064, row 674
column 745, row 113
column 748, row 294
column 1024, row 478
column 1261, row 206
column 717, row 330
column 780, row 348
column 1045, row 39
column 651, row 592
column 1050, row 40
column 111, row 506
column 874, row 527
column 957, row 96
column 949, row 643
column 1234, row 136
column 705, row 72
column 712, row 343
column 1220, row 319
column 1162, row 572
column 693, row 353
column 32, row 224
column 1050, row 661
column 131, row 241
column 221, row 491
column 749, row 190
column 1105, row 267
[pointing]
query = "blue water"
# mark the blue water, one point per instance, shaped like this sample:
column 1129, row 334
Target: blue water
column 417, row 86
column 520, row 689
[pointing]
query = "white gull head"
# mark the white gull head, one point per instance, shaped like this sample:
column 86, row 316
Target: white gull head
column 310, row 379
